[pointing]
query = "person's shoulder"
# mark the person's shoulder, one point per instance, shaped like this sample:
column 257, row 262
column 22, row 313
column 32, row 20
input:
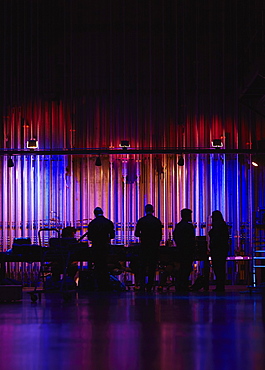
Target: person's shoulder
column 110, row 222
column 157, row 219
column 107, row 220
column 222, row 225
column 184, row 225
column 92, row 221
column 179, row 224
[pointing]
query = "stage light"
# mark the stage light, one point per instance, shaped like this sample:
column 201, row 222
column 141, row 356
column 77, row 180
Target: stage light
column 125, row 144
column 255, row 164
column 217, row 143
column 32, row 144
column 98, row 161
column 181, row 161
column 10, row 162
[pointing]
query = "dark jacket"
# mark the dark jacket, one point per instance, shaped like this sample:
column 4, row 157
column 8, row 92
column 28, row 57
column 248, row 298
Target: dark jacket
column 184, row 237
column 100, row 231
column 149, row 230
column 219, row 239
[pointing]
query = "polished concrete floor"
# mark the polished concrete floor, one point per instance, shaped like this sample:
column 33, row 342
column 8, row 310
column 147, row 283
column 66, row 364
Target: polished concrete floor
column 200, row 331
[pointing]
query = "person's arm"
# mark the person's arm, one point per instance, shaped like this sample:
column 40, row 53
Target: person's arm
column 112, row 231
column 174, row 235
column 90, row 231
column 160, row 233
column 137, row 230
column 82, row 237
column 193, row 235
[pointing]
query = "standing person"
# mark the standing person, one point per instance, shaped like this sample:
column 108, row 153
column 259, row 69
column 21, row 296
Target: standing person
column 219, row 245
column 149, row 230
column 100, row 232
column 184, row 237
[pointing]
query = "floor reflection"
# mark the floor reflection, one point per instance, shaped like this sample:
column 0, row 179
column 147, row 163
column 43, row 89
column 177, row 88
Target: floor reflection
column 134, row 331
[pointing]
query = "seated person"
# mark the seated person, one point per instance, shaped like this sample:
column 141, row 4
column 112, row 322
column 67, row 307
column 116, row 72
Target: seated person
column 68, row 232
column 58, row 268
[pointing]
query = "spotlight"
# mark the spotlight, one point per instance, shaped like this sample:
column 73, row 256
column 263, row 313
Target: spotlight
column 10, row 162
column 181, row 161
column 98, row 161
column 217, row 143
column 255, row 164
column 32, row 144
column 125, row 144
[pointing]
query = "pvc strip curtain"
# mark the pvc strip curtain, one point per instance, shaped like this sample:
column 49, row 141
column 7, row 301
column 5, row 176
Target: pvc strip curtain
column 159, row 74
column 54, row 191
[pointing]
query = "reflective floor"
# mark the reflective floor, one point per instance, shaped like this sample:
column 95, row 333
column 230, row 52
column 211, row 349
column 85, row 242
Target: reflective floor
column 200, row 331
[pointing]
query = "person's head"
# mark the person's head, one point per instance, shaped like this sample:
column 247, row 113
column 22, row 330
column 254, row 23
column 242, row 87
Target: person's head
column 68, row 232
column 186, row 214
column 149, row 209
column 98, row 212
column 217, row 216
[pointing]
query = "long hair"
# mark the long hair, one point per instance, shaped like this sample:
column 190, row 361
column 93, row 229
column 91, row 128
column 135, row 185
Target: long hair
column 217, row 217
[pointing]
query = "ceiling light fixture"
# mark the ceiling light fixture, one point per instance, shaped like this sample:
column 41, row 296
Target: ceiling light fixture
column 32, row 144
column 217, row 143
column 125, row 144
column 98, row 161
column 181, row 161
column 10, row 162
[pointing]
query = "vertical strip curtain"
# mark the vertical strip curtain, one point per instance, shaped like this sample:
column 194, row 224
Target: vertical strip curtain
column 159, row 74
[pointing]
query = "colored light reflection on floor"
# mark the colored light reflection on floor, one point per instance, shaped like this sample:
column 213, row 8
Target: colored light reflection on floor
column 134, row 331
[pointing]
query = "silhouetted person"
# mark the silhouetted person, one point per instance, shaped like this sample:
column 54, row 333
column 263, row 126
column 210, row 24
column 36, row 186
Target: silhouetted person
column 219, row 245
column 66, row 241
column 149, row 230
column 100, row 232
column 69, row 232
column 184, row 237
